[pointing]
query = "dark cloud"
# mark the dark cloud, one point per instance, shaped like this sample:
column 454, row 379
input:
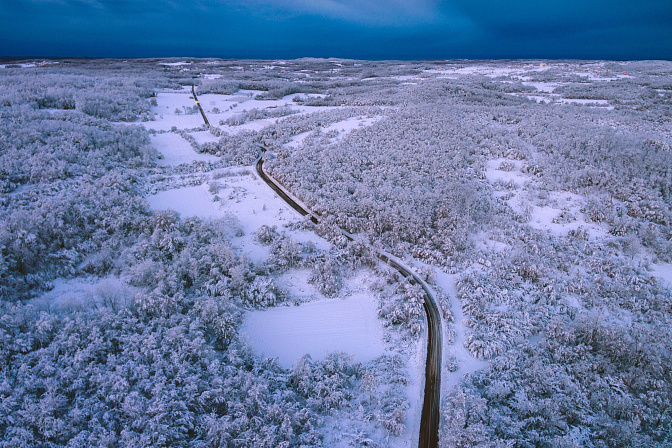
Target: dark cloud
column 558, row 17
column 420, row 29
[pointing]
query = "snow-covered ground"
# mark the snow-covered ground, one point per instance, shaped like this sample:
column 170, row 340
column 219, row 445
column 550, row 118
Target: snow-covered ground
column 311, row 323
column 82, row 293
column 348, row 323
column 592, row 72
column 562, row 215
column 583, row 101
column 188, row 201
column 340, row 128
column 504, row 170
column 174, row 64
column 175, row 109
column 663, row 271
column 204, row 137
column 30, row 64
column 319, row 325
column 558, row 213
column 175, row 150
column 546, row 87
column 546, row 95
column 244, row 196
column 316, row 328
column 238, row 193
column 497, row 71
column 456, row 352
column 557, row 99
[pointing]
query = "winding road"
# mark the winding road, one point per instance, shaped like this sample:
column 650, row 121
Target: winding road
column 429, row 421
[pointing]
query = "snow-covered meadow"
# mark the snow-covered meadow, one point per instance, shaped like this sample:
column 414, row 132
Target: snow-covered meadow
column 318, row 328
column 149, row 275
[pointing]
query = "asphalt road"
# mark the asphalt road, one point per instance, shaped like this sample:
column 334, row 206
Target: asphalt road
column 205, row 119
column 281, row 192
column 429, row 421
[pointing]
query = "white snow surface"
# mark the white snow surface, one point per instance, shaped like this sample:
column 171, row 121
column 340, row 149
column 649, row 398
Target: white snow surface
column 188, row 202
column 544, row 215
column 165, row 116
column 663, row 271
column 317, row 328
column 341, row 127
column 547, row 87
column 240, row 194
column 539, row 99
column 83, row 293
column 493, row 172
column 585, row 102
column 174, row 64
column 492, row 71
column 582, row 101
column 204, row 137
column 350, row 324
column 175, row 150
column 466, row 363
column 29, row 64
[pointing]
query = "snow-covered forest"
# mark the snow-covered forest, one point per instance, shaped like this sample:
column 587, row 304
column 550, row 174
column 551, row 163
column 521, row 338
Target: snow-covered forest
column 142, row 258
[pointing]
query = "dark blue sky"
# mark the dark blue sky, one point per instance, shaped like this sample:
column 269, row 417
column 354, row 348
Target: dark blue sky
column 362, row 29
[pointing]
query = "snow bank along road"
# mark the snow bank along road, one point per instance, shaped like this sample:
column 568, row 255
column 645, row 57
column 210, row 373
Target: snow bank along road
column 429, row 421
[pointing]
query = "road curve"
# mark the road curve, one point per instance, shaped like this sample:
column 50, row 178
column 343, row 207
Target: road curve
column 429, row 421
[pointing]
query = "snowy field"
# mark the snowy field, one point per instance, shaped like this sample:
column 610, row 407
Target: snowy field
column 559, row 212
column 455, row 351
column 82, row 294
column 242, row 195
column 349, row 324
column 336, row 130
column 316, row 328
column 175, row 150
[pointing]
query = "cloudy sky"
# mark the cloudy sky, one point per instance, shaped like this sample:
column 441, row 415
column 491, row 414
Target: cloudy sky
column 363, row 29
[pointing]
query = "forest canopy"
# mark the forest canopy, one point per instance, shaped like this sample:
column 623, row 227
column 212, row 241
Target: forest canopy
column 542, row 192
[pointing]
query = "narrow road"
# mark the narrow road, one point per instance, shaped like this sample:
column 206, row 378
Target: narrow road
column 429, row 421
column 205, row 119
column 281, row 192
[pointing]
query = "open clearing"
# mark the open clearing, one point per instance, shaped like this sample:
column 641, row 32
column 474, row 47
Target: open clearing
column 316, row 328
